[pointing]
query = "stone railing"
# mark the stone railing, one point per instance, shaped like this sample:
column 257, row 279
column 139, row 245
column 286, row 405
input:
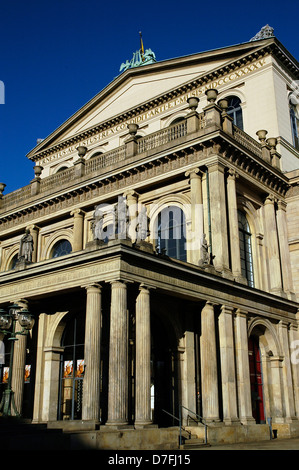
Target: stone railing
column 212, row 118
column 247, row 141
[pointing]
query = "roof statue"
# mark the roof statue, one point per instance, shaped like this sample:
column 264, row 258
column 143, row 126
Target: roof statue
column 140, row 57
column 264, row 33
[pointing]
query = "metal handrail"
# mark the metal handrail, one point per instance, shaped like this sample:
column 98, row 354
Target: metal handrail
column 202, row 419
column 180, row 421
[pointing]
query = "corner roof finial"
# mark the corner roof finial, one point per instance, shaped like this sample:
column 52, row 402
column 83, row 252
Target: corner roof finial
column 265, row 33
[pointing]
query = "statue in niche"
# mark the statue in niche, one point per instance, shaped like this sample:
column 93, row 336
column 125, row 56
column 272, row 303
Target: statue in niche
column 26, row 247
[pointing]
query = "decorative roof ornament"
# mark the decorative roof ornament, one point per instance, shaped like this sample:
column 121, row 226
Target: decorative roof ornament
column 265, row 33
column 140, row 57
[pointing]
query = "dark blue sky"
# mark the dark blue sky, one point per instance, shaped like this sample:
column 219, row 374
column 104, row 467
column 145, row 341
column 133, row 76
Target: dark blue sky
column 57, row 55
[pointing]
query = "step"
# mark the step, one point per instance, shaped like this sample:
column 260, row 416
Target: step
column 193, row 443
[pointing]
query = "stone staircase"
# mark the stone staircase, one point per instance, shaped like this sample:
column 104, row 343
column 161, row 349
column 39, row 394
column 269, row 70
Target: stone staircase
column 191, row 442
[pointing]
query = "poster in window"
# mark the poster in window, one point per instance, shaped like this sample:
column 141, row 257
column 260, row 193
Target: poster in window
column 5, row 375
column 80, row 368
column 68, row 369
column 27, row 374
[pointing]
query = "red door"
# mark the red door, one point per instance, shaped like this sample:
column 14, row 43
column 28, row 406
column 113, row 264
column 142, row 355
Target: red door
column 256, row 380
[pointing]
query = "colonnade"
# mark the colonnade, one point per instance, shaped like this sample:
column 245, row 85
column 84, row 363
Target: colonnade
column 224, row 364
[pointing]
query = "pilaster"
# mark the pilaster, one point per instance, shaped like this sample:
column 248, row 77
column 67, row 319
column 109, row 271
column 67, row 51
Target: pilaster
column 218, row 217
column 284, row 249
column 272, row 247
column 234, row 226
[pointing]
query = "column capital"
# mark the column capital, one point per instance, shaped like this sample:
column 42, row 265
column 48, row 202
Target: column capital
column 269, row 199
column 282, row 205
column 194, row 172
column 147, row 287
column 130, row 193
column 241, row 313
column 92, row 285
column 232, row 174
column 227, row 309
column 32, row 227
column 77, row 212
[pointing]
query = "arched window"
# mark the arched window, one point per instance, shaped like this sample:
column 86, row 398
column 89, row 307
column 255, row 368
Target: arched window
column 294, row 116
column 245, row 249
column 172, row 233
column 235, row 111
column 61, row 248
column 62, row 168
column 96, row 154
column 13, row 262
column 72, row 370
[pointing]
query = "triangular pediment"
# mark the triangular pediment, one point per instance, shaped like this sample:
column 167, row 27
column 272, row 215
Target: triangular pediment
column 142, row 86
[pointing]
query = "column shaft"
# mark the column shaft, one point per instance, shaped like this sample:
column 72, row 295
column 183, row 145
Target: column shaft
column 233, row 225
column 227, row 356
column 143, row 359
column 218, row 217
column 78, row 229
column 272, row 247
column 209, row 380
column 92, row 355
column 18, row 370
column 242, row 368
column 194, row 243
column 118, row 356
column 284, row 248
column 287, row 373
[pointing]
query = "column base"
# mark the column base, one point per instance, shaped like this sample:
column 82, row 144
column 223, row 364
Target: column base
column 144, row 424
column 247, row 421
column 232, row 422
column 114, row 425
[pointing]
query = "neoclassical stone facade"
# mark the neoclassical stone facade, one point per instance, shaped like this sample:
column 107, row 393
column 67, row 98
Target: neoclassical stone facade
column 163, row 275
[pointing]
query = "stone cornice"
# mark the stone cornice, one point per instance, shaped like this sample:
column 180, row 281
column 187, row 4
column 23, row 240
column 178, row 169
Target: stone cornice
column 119, row 260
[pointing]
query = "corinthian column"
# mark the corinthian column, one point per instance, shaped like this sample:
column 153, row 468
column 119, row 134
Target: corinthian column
column 209, row 379
column 92, row 352
column 143, row 359
column 118, row 356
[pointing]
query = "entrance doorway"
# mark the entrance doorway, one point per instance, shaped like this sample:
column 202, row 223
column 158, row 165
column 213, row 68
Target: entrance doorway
column 256, row 380
column 72, row 370
column 164, row 381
